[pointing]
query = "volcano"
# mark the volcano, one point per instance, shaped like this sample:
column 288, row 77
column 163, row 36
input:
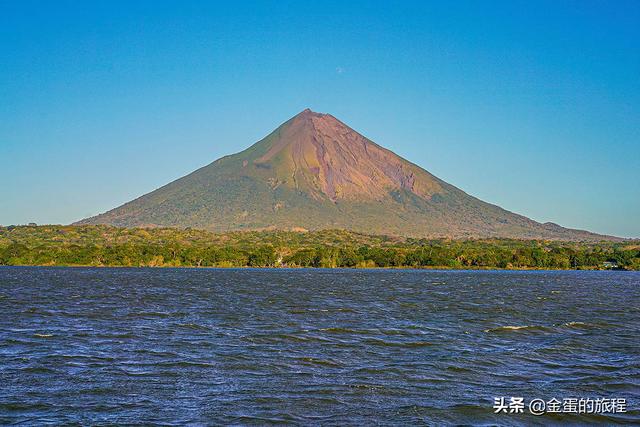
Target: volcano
column 314, row 172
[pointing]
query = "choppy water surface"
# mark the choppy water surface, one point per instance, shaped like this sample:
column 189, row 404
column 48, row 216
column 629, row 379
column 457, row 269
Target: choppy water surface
column 311, row 346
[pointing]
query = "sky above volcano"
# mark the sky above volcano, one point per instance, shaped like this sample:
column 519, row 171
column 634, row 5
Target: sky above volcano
column 534, row 106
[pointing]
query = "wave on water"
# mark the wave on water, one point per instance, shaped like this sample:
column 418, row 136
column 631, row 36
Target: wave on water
column 386, row 343
column 579, row 325
column 317, row 361
column 510, row 328
column 194, row 326
column 542, row 328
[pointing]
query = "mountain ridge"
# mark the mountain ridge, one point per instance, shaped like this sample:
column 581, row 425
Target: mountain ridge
column 314, row 172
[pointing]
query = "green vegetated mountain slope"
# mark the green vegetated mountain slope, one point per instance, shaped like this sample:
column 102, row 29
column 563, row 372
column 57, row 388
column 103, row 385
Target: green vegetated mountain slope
column 314, row 172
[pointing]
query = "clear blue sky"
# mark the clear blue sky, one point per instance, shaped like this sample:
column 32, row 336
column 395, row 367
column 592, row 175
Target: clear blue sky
column 534, row 106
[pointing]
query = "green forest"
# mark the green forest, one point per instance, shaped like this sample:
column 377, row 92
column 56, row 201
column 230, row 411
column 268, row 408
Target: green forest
column 90, row 245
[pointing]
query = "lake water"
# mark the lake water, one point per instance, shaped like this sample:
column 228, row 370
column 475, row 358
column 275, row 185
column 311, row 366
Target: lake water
column 336, row 347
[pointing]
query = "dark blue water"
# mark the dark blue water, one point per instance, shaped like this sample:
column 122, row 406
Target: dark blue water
column 335, row 347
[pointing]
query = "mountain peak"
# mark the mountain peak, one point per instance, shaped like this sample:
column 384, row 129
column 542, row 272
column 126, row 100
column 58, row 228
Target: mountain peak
column 318, row 154
column 308, row 113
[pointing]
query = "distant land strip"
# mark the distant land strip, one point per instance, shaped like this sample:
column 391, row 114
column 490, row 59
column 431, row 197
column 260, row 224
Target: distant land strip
column 107, row 246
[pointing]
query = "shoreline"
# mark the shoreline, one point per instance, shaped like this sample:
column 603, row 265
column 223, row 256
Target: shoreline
column 194, row 267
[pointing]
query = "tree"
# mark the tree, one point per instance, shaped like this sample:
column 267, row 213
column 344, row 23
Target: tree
column 264, row 256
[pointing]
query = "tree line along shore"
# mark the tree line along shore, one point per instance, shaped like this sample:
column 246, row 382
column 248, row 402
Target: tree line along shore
column 88, row 245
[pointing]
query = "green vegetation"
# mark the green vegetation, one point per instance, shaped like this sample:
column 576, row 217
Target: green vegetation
column 90, row 245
